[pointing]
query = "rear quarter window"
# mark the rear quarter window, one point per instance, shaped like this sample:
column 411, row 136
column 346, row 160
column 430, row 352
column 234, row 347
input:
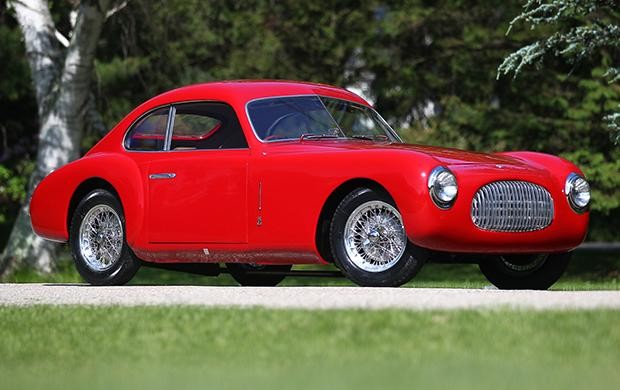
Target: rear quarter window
column 148, row 133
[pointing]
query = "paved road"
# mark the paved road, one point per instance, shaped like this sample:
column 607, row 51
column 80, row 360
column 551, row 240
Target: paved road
column 304, row 297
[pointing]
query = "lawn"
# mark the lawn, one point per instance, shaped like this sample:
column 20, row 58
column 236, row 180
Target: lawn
column 181, row 347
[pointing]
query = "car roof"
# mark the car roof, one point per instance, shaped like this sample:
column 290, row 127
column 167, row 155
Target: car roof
column 242, row 91
column 235, row 92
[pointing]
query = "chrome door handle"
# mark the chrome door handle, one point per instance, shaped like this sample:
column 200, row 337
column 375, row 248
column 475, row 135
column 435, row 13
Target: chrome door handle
column 155, row 176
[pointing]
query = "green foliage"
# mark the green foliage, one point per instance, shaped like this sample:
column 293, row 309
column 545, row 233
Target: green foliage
column 11, row 88
column 13, row 187
column 584, row 28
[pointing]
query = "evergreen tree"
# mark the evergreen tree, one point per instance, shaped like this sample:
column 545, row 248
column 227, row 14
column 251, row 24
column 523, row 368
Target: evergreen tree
column 580, row 29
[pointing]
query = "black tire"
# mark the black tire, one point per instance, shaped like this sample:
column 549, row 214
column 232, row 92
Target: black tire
column 402, row 271
column 250, row 274
column 525, row 272
column 120, row 271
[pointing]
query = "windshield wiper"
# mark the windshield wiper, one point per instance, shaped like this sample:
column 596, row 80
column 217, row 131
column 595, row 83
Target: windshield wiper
column 370, row 137
column 318, row 136
column 334, row 132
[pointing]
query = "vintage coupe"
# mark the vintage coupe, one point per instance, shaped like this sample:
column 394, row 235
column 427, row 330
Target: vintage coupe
column 262, row 175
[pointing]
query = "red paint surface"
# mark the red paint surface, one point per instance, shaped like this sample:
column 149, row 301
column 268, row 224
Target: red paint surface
column 213, row 202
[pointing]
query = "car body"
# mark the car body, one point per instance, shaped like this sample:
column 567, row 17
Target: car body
column 270, row 201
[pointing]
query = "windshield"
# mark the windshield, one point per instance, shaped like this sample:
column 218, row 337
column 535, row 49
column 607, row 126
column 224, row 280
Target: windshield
column 312, row 117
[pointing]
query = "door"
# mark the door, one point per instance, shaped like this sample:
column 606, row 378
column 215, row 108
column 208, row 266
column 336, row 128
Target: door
column 197, row 187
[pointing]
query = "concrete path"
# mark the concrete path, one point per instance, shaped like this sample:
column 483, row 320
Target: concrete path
column 305, row 297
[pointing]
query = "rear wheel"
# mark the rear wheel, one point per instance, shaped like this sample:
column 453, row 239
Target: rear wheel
column 97, row 239
column 525, row 272
column 369, row 243
column 257, row 275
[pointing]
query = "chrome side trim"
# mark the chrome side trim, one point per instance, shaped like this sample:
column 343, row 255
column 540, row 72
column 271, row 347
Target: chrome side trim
column 167, row 175
column 168, row 139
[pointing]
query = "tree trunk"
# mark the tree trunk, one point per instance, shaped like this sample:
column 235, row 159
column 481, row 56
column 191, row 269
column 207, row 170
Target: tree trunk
column 62, row 87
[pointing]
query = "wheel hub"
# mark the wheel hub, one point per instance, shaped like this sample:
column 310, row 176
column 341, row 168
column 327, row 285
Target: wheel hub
column 101, row 237
column 375, row 237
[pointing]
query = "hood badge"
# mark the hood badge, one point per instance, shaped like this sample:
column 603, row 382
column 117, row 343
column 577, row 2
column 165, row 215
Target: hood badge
column 499, row 166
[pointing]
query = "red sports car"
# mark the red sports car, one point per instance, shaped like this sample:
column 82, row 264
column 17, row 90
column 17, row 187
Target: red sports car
column 262, row 175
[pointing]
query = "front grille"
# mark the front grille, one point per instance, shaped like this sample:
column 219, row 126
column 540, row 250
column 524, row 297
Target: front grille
column 512, row 206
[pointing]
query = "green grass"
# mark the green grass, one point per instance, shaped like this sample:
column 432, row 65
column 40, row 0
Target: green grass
column 185, row 347
column 587, row 271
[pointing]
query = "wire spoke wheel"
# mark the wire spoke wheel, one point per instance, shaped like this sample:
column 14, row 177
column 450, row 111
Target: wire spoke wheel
column 101, row 237
column 375, row 237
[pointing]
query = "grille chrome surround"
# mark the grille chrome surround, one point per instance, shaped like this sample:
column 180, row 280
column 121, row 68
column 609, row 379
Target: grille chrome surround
column 512, row 206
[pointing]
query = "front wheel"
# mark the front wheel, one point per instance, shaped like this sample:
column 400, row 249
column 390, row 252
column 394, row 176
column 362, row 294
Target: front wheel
column 97, row 239
column 369, row 243
column 525, row 272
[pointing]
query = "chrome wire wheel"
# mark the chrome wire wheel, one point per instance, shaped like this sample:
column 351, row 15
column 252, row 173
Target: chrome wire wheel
column 374, row 236
column 101, row 237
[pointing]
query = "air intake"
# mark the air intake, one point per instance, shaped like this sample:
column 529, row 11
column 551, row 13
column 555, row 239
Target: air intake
column 512, row 206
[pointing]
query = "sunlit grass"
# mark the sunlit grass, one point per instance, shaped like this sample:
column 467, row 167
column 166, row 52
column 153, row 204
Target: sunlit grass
column 180, row 347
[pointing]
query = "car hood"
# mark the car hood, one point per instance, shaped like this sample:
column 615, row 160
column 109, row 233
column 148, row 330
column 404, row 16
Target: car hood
column 445, row 156
column 449, row 156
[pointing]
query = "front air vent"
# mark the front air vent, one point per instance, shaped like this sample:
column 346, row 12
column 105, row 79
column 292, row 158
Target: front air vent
column 512, row 206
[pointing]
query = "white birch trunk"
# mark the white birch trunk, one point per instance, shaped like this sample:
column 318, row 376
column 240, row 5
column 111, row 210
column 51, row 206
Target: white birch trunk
column 62, row 87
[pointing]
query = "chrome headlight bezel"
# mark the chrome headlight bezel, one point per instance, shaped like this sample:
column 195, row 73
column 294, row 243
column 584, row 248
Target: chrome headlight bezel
column 575, row 186
column 439, row 179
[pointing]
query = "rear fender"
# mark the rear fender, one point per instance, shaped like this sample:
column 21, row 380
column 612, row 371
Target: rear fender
column 50, row 203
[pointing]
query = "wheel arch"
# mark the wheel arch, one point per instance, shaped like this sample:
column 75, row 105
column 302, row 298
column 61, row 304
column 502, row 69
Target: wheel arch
column 330, row 205
column 88, row 185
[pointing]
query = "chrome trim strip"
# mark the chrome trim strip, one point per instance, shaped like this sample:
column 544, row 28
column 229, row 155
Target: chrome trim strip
column 169, row 126
column 167, row 175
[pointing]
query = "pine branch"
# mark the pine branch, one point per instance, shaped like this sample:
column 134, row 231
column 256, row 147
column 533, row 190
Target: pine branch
column 580, row 42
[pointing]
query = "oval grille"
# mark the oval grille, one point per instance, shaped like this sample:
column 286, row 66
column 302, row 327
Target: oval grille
column 512, row 206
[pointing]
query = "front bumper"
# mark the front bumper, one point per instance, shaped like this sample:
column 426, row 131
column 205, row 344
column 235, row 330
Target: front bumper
column 453, row 230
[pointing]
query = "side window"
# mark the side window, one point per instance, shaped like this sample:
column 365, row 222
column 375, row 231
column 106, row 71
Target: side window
column 149, row 133
column 206, row 126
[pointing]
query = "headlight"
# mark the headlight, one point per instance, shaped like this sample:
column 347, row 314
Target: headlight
column 577, row 191
column 442, row 187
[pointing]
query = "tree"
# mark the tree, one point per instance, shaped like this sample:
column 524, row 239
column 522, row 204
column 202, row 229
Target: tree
column 583, row 29
column 61, row 78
